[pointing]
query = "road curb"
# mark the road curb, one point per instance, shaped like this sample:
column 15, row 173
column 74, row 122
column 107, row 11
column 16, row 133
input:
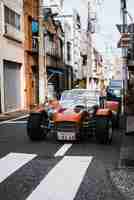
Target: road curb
column 14, row 119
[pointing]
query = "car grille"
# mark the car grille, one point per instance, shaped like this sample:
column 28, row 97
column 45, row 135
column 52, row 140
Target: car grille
column 66, row 126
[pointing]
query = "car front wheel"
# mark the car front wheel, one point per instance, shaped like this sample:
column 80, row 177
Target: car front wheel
column 34, row 128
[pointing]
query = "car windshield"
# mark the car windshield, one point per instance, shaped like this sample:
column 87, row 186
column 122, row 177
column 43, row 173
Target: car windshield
column 115, row 91
column 83, row 97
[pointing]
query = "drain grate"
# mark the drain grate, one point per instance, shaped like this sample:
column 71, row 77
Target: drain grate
column 127, row 163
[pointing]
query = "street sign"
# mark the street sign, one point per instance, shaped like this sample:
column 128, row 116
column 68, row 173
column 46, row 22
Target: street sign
column 124, row 41
column 125, row 37
column 116, row 83
column 123, row 45
column 131, row 28
column 121, row 28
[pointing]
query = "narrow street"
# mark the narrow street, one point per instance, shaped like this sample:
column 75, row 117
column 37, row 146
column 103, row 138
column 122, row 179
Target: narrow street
column 31, row 164
column 66, row 100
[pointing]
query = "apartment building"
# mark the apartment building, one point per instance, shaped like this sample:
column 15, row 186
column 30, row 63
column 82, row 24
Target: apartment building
column 96, row 68
column 12, row 82
column 68, row 51
column 54, row 41
column 76, row 45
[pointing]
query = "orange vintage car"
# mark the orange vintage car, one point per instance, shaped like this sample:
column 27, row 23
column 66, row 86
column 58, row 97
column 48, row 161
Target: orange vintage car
column 75, row 116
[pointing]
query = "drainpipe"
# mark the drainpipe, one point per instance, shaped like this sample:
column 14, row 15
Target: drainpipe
column 43, row 90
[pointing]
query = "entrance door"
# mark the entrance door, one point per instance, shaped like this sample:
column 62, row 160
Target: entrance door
column 12, row 86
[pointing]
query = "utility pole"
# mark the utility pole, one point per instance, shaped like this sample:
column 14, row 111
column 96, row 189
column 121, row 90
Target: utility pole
column 124, row 64
column 89, row 47
column 43, row 89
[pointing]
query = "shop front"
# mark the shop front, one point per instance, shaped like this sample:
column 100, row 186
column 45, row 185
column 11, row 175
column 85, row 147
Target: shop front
column 56, row 82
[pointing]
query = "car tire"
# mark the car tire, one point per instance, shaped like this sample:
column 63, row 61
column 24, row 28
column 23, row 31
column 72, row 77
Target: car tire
column 104, row 130
column 34, row 129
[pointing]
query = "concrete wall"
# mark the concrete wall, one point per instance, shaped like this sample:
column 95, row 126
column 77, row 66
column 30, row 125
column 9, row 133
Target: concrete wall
column 9, row 49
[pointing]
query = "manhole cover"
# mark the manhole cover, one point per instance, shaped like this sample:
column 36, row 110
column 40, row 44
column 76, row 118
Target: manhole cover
column 127, row 163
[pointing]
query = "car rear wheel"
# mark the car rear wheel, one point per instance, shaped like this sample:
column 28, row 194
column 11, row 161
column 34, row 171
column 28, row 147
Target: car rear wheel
column 104, row 130
column 35, row 129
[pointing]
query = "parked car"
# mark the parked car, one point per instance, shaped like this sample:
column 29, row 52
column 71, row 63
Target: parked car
column 76, row 114
column 114, row 99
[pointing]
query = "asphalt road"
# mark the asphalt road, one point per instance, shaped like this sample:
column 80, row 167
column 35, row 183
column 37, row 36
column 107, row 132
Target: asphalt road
column 52, row 170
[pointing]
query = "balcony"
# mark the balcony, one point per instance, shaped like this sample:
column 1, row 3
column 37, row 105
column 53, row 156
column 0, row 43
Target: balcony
column 54, row 52
column 12, row 33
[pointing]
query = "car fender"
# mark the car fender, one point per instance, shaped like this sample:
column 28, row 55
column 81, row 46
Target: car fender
column 103, row 112
column 112, row 105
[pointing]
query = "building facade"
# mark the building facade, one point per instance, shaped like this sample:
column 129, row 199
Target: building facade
column 12, row 82
column 76, row 46
column 95, row 66
column 68, row 51
column 31, row 29
column 84, row 54
column 56, row 72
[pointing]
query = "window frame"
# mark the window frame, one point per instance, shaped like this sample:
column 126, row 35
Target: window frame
column 12, row 18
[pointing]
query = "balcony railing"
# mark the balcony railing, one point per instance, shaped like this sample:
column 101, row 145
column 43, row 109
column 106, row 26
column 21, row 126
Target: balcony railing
column 53, row 47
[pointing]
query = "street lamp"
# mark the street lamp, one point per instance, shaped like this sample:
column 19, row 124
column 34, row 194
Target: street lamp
column 124, row 65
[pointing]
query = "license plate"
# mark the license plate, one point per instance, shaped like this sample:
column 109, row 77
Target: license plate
column 66, row 136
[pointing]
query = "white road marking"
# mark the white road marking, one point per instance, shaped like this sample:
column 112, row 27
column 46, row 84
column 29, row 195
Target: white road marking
column 16, row 122
column 4, row 122
column 63, row 150
column 12, row 162
column 63, row 181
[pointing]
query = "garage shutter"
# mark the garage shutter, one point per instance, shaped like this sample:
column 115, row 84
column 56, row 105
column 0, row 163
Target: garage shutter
column 12, row 86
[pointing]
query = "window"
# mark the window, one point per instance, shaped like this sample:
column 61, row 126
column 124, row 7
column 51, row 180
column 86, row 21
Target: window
column 35, row 27
column 6, row 15
column 68, row 51
column 12, row 18
column 17, row 21
column 84, row 60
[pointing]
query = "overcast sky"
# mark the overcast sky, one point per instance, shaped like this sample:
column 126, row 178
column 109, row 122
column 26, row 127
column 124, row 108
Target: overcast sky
column 108, row 16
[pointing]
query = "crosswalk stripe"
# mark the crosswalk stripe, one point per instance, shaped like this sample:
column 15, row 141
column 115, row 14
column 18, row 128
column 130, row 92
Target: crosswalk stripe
column 16, row 122
column 12, row 162
column 63, row 181
column 62, row 150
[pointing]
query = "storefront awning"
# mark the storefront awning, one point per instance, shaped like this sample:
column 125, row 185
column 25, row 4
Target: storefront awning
column 56, row 71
